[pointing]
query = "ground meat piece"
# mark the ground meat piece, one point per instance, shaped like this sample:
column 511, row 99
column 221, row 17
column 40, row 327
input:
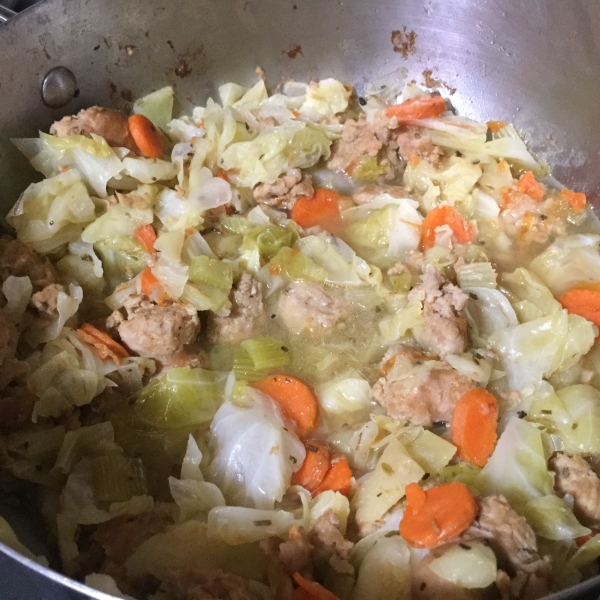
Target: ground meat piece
column 412, row 141
column 419, row 388
column 121, row 536
column 366, row 193
column 292, row 555
column 360, row 138
column 105, row 122
column 18, row 260
column 46, row 299
column 443, row 330
column 16, row 407
column 246, row 310
column 426, row 585
column 8, row 339
column 285, row 190
column 157, row 331
column 574, row 476
column 195, row 584
column 308, row 308
column 525, row 586
column 328, row 540
column 134, row 200
column 509, row 535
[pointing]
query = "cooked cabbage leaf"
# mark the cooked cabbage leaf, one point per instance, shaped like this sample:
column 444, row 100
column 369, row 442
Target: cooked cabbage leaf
column 256, row 451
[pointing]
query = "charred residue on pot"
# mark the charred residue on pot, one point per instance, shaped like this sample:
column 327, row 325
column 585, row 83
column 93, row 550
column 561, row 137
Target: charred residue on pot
column 293, row 51
column 183, row 68
column 431, row 82
column 404, row 41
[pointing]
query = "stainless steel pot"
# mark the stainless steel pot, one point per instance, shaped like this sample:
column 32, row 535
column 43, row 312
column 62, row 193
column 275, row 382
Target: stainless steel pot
column 534, row 63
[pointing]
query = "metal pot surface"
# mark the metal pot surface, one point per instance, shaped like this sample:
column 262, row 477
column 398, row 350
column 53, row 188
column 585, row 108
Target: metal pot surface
column 534, row 63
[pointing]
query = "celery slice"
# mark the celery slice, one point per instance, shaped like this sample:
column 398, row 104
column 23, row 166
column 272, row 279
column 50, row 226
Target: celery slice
column 212, row 272
column 297, row 266
column 266, row 353
column 270, row 239
column 182, row 397
column 118, row 478
column 478, row 274
column 243, row 367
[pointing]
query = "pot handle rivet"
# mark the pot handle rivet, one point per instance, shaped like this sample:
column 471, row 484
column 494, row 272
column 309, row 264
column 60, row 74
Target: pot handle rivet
column 59, row 87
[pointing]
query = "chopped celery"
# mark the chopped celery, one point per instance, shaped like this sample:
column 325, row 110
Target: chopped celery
column 243, row 367
column 296, row 265
column 478, row 274
column 270, row 239
column 367, row 169
column 182, row 397
column 237, row 224
column 266, row 353
column 212, row 272
column 401, row 283
column 118, row 478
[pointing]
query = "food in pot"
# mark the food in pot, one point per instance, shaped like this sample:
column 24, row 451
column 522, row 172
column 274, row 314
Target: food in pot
column 302, row 346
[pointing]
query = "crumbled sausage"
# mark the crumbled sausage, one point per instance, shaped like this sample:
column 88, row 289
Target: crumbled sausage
column 196, row 584
column 157, row 331
column 574, row 476
column 308, row 308
column 328, row 539
column 292, row 555
column 443, row 331
column 105, row 122
column 412, row 142
column 510, row 536
column 19, row 260
column 285, row 190
column 120, row 537
column 361, row 138
column 8, row 339
column 418, row 388
column 46, row 300
column 246, row 310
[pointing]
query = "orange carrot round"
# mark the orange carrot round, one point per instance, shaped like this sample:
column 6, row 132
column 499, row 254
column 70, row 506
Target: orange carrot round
column 315, row 590
column 146, row 236
column 337, row 479
column 445, row 215
column 104, row 344
column 496, row 126
column 297, row 400
column 436, row 515
column 145, row 136
column 577, row 200
column 473, row 428
column 529, row 185
column 421, row 107
column 315, row 466
column 584, row 301
column 322, row 209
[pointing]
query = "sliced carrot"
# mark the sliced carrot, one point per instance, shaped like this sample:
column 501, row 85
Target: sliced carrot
column 315, row 590
column 337, row 479
column 104, row 344
column 496, row 126
column 445, row 215
column 222, row 174
column 145, row 136
column 436, row 515
column 580, row 541
column 146, row 236
column 473, row 428
column 421, row 107
column 583, row 300
column 301, row 594
column 297, row 401
column 322, row 210
column 315, row 466
column 577, row 200
column 529, row 185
